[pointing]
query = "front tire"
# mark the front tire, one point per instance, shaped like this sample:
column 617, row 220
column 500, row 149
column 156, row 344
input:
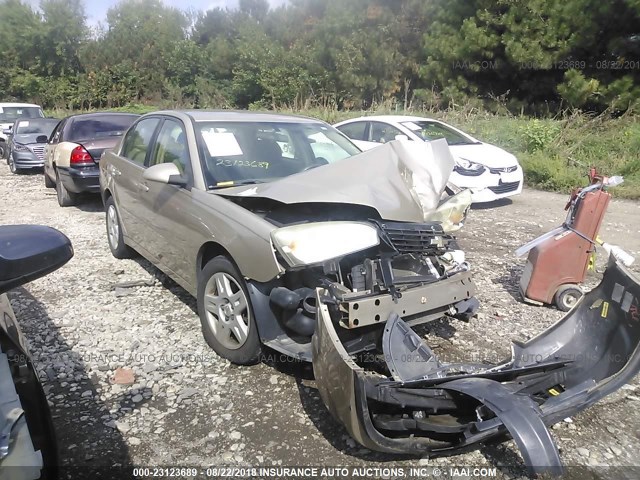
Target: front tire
column 118, row 248
column 226, row 315
column 65, row 197
column 12, row 165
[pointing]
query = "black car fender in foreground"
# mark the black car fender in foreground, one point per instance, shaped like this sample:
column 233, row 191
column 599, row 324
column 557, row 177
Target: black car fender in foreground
column 407, row 401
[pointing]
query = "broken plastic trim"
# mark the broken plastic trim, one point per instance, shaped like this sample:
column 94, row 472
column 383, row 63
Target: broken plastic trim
column 438, row 409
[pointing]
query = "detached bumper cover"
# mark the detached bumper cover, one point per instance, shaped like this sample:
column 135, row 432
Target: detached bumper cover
column 423, row 406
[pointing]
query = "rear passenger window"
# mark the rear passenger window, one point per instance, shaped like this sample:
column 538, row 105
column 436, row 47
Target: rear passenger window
column 136, row 143
column 355, row 131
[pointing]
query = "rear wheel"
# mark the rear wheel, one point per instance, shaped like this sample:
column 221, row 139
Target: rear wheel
column 48, row 182
column 228, row 323
column 119, row 249
column 3, row 151
column 567, row 296
column 65, row 197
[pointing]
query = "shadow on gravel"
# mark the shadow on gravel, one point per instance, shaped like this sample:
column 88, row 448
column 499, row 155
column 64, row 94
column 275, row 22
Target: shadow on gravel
column 505, row 460
column 167, row 283
column 87, row 447
column 30, row 172
column 502, row 202
column 510, row 281
column 287, row 365
column 89, row 202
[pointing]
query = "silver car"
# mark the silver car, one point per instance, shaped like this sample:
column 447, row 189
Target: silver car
column 252, row 213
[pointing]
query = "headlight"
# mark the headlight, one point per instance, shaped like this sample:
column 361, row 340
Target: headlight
column 317, row 242
column 18, row 147
column 467, row 167
column 453, row 211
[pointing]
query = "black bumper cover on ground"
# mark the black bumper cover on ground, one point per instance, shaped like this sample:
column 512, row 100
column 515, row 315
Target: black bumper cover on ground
column 424, row 406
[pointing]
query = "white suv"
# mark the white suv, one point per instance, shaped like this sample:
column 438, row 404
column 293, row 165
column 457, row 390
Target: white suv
column 9, row 113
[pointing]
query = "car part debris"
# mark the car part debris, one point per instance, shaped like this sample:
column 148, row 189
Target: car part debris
column 403, row 399
column 557, row 261
column 150, row 282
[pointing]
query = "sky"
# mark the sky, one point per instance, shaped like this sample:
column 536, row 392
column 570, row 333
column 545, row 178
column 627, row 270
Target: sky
column 96, row 10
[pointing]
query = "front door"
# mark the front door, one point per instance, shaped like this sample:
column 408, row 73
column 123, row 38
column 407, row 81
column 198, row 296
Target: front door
column 167, row 208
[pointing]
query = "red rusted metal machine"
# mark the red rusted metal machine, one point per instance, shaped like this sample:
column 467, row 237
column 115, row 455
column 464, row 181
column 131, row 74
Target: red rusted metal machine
column 558, row 260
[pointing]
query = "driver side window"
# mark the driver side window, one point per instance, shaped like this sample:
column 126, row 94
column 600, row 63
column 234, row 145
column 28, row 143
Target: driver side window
column 136, row 142
column 171, row 146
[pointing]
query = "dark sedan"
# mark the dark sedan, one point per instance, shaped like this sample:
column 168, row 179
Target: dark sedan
column 74, row 150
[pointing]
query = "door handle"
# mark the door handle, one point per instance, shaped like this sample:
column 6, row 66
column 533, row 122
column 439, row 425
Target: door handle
column 143, row 187
column 114, row 171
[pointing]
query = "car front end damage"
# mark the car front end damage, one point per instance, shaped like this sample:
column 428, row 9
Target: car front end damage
column 400, row 398
column 416, row 269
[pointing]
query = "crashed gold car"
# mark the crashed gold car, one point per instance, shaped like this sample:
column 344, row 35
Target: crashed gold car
column 291, row 238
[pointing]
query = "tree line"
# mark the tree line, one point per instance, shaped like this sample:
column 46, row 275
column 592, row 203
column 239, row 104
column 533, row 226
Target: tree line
column 531, row 56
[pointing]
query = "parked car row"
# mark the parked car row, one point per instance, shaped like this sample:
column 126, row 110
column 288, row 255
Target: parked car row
column 292, row 238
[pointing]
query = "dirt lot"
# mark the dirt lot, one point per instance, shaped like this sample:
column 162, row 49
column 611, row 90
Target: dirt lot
column 189, row 407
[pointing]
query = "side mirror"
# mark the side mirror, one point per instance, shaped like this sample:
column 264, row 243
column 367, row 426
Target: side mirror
column 42, row 139
column 28, row 252
column 6, row 131
column 167, row 173
column 402, row 137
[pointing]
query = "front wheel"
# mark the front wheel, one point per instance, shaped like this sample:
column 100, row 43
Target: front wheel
column 12, row 165
column 567, row 296
column 227, row 319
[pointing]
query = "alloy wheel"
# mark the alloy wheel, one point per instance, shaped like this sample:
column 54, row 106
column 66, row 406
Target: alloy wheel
column 227, row 310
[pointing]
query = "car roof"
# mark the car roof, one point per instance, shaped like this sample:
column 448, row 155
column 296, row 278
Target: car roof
column 238, row 116
column 9, row 104
column 88, row 116
column 392, row 118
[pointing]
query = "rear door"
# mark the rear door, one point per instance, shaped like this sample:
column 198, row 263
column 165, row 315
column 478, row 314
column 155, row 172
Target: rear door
column 126, row 169
column 358, row 134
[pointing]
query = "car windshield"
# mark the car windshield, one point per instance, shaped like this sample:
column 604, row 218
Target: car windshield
column 11, row 114
column 429, row 130
column 41, row 127
column 235, row 153
column 99, row 127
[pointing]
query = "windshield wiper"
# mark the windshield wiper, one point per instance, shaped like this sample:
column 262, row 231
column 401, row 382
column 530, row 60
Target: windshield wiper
column 235, row 184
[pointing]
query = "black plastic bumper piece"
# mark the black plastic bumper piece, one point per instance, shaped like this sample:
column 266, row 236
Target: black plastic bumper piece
column 78, row 180
column 425, row 406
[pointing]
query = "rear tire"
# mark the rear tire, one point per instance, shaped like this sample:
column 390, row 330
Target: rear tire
column 567, row 296
column 65, row 197
column 228, row 322
column 48, row 183
column 118, row 248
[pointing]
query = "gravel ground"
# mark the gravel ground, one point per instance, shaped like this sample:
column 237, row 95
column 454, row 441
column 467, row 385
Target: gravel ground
column 130, row 379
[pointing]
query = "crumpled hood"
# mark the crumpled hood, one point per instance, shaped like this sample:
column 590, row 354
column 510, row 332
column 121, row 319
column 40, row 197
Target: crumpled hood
column 402, row 180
